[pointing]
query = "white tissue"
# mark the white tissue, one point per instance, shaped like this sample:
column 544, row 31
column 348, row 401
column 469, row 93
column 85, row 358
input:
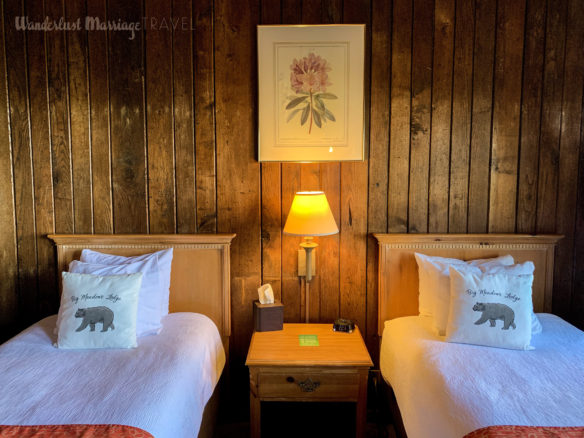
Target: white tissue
column 266, row 294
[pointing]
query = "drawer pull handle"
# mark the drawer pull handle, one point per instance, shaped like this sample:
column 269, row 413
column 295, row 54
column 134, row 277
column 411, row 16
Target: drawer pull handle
column 308, row 385
column 290, row 379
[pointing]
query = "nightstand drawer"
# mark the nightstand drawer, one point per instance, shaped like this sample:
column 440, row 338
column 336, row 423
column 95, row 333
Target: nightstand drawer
column 309, row 385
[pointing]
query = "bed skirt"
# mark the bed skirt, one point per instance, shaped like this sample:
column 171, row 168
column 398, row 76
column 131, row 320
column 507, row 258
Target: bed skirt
column 527, row 432
column 73, row 431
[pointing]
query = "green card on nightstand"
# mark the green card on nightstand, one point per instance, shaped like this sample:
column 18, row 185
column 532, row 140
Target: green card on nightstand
column 308, row 340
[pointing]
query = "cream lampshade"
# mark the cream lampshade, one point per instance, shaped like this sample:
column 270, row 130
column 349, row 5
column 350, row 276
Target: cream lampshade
column 310, row 215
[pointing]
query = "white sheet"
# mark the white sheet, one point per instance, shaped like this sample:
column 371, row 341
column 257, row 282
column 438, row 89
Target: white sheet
column 161, row 387
column 448, row 390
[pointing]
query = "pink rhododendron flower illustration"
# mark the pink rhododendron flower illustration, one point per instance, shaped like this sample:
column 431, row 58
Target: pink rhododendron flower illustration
column 309, row 80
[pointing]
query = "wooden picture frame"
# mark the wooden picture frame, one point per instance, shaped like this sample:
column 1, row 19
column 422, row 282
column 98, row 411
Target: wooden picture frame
column 310, row 86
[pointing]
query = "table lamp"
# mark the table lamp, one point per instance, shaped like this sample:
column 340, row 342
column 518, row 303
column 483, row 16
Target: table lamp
column 309, row 216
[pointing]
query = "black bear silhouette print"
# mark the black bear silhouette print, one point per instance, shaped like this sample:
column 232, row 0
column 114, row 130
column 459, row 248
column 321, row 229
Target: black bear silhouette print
column 93, row 315
column 494, row 311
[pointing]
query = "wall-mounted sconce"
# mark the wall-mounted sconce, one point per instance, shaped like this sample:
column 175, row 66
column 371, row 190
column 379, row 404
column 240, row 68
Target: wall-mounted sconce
column 310, row 215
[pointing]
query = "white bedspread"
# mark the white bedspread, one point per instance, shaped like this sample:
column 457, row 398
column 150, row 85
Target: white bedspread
column 161, row 387
column 448, row 390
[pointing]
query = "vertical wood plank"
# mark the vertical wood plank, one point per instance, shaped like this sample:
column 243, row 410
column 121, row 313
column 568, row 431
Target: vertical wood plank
column 441, row 115
column 506, row 114
column 531, row 115
column 183, row 116
column 60, row 134
column 159, row 114
column 551, row 117
column 332, row 11
column 238, row 173
column 271, row 12
column 291, row 11
column 8, row 257
column 353, row 249
column 205, row 141
column 97, row 46
column 291, row 284
column 271, row 193
column 381, row 24
column 79, row 118
column 461, row 117
column 310, row 181
column 329, row 262
column 17, row 76
column 127, row 121
column 311, row 11
column 330, row 178
column 41, row 154
column 421, row 110
column 570, row 146
column 577, row 298
column 482, row 110
column 272, row 227
column 290, row 183
column 399, row 129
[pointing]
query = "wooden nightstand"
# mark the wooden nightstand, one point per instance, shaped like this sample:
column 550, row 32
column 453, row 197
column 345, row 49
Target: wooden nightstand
column 281, row 370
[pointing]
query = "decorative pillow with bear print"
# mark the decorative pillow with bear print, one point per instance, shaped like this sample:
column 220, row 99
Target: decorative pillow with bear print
column 490, row 309
column 150, row 308
column 98, row 311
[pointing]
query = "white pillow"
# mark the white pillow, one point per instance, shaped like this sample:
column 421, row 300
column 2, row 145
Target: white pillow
column 490, row 309
column 150, row 309
column 98, row 312
column 164, row 258
column 426, row 286
column 434, row 283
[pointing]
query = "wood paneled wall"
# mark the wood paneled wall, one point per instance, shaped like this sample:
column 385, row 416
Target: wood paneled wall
column 474, row 124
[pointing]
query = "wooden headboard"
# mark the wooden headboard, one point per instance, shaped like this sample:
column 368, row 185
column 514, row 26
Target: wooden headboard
column 199, row 280
column 398, row 270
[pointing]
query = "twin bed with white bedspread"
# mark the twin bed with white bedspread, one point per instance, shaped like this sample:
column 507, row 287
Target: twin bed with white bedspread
column 448, row 390
column 163, row 387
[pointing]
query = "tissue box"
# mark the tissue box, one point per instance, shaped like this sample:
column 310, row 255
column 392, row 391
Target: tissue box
column 268, row 317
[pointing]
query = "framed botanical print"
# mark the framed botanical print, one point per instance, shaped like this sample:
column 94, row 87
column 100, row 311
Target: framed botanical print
column 310, row 86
